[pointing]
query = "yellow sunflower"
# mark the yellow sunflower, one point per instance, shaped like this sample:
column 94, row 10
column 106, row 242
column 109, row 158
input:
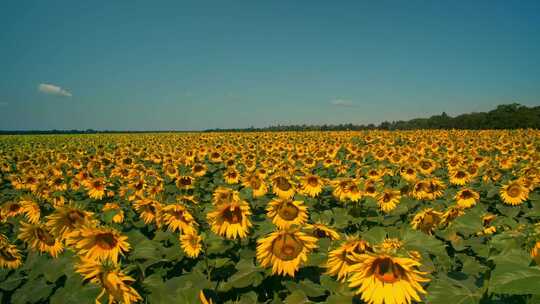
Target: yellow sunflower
column 185, row 182
column 451, row 214
column 459, row 177
column 231, row 176
column 426, row 220
column 257, row 185
column 535, row 253
column 198, row 170
column 96, row 188
column 178, row 218
column 341, row 259
column 285, row 213
column 282, row 186
column 383, row 278
column 311, row 185
column 38, row 238
column 149, row 210
column 388, row 199
column 466, row 198
column 191, row 244
column 320, row 230
column 230, row 219
column 514, row 193
column 66, row 219
column 10, row 256
column 224, row 195
column 119, row 216
column 114, row 283
column 285, row 250
column 98, row 243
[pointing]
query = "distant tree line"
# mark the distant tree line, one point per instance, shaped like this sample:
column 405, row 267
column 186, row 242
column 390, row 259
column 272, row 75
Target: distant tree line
column 507, row 116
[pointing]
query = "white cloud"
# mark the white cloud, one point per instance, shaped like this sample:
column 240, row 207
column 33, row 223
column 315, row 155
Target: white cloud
column 53, row 90
column 342, row 102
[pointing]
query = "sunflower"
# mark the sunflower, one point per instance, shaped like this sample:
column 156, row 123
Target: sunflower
column 341, row 188
column 203, row 298
column 426, row 220
column 353, row 192
column 408, row 173
column 38, row 238
column 96, row 188
column 514, row 193
column 118, row 217
column 426, row 166
column 11, row 209
column 31, row 210
column 98, row 243
column 383, row 278
column 10, row 256
column 451, row 214
column 429, row 189
column 459, row 177
column 224, row 195
column 388, row 199
column 110, row 278
column 311, row 185
column 231, row 176
column 230, row 219
column 535, row 253
column 285, row 250
column 285, row 213
column 178, row 218
column 65, row 220
column 149, row 210
column 198, row 170
column 467, row 198
column 341, row 259
column 191, row 244
column 185, row 182
column 320, row 230
column 282, row 186
column 257, row 185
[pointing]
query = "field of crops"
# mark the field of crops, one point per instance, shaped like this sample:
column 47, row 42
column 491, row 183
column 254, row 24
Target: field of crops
column 334, row 217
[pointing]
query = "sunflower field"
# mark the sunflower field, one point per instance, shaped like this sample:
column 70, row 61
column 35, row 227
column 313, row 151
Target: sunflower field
column 271, row 217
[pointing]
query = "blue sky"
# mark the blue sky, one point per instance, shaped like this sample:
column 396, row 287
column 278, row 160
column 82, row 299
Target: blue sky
column 189, row 65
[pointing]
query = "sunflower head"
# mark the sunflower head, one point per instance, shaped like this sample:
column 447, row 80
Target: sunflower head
column 191, row 243
column 426, row 220
column 282, row 186
column 285, row 213
column 342, row 258
column 514, row 193
column 231, row 219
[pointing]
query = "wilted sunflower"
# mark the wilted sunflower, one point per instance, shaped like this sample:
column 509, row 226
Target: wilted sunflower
column 311, row 185
column 11, row 209
column 191, row 244
column 108, row 276
column 451, row 214
column 320, row 230
column 178, row 218
column 341, row 259
column 282, row 186
column 388, row 199
column 381, row 278
column 466, row 198
column 98, row 243
column 256, row 183
column 285, row 213
column 514, row 193
column 230, row 219
column 429, row 189
column 10, row 257
column 426, row 220
column 285, row 250
column 66, row 219
column 38, row 238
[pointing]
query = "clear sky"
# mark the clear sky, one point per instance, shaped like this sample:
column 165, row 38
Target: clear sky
column 159, row 65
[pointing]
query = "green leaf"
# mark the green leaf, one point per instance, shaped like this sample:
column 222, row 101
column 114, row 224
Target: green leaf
column 339, row 299
column 309, row 288
column 513, row 275
column 444, row 290
column 296, row 297
column 247, row 275
column 32, row 292
column 75, row 292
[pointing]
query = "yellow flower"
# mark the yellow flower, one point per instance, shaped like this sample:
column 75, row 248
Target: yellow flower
column 111, row 279
column 459, row 177
column 341, row 259
column 230, row 219
column 191, row 244
column 311, row 185
column 10, row 257
column 149, row 210
column 426, row 220
column 282, row 186
column 285, row 213
column 388, row 200
column 66, row 219
column 257, row 185
column 320, row 230
column 96, row 188
column 535, row 253
column 514, row 193
column 285, row 250
column 119, row 216
column 385, row 279
column 98, row 243
column 38, row 238
column 178, row 218
column 466, row 198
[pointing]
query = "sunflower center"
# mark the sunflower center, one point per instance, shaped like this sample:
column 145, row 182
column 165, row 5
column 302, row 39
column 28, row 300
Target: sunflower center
column 387, row 271
column 45, row 237
column 514, row 191
column 319, row 233
column 75, row 217
column 282, row 183
column 106, row 240
column 313, row 181
column 288, row 211
column 466, row 194
column 426, row 165
column 233, row 215
column 255, row 183
column 287, row 247
column 460, row 174
column 185, row 181
column 14, row 207
column 197, row 168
